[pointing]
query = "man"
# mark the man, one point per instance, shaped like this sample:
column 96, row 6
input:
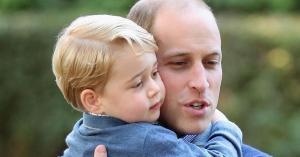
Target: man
column 189, row 62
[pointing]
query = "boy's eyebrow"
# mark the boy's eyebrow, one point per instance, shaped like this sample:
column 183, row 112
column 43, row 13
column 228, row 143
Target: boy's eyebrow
column 141, row 72
column 155, row 64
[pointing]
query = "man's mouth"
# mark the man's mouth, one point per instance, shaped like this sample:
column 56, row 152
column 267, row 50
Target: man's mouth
column 198, row 105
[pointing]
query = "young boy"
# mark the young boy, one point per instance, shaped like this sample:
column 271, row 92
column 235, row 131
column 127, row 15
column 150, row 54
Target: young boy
column 106, row 67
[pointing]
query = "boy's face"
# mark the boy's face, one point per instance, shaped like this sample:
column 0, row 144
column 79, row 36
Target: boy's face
column 189, row 58
column 134, row 91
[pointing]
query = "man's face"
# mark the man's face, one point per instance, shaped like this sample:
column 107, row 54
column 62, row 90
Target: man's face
column 189, row 62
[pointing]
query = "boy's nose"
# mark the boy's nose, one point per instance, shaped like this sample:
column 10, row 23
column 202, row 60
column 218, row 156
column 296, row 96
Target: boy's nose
column 154, row 89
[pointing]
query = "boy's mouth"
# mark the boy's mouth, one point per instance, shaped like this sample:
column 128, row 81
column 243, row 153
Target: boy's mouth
column 156, row 106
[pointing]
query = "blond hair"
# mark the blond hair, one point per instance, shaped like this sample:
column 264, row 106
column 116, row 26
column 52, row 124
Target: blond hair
column 83, row 54
column 144, row 12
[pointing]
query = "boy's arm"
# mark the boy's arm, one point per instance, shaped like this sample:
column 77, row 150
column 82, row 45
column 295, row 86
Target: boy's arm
column 222, row 137
column 224, row 141
column 225, row 138
column 249, row 151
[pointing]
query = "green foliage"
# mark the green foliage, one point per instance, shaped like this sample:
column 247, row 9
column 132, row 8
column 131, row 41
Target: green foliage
column 218, row 5
column 108, row 5
column 33, row 111
column 18, row 5
column 254, row 6
column 261, row 82
column 14, row 4
column 260, row 89
column 38, row 5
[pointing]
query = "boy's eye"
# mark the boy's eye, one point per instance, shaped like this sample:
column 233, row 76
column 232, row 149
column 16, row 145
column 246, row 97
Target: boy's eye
column 154, row 74
column 138, row 84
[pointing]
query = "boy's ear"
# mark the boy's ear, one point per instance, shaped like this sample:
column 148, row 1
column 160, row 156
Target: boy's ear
column 91, row 101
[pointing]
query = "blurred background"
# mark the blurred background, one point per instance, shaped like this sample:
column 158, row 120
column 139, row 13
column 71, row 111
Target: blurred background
column 261, row 71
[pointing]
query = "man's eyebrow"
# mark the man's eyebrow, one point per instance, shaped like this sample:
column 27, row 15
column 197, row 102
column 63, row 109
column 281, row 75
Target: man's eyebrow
column 215, row 54
column 216, row 50
column 183, row 54
column 177, row 54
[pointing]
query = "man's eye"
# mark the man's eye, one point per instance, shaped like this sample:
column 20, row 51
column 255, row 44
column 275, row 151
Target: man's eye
column 212, row 63
column 179, row 63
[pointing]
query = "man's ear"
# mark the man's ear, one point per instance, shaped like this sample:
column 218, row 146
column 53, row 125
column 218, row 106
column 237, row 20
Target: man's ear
column 91, row 101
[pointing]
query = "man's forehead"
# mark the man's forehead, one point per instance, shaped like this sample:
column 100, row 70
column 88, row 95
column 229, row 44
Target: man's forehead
column 171, row 24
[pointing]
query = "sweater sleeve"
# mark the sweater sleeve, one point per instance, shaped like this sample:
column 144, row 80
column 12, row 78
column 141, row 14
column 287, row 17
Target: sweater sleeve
column 164, row 143
column 225, row 139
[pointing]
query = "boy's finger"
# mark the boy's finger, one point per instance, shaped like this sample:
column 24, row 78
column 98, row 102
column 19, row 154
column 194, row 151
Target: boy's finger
column 100, row 151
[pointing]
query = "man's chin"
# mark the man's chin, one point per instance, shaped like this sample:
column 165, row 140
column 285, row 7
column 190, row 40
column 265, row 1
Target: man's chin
column 196, row 128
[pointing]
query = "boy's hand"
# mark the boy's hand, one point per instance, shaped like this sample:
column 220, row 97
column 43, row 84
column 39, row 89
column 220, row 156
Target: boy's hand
column 100, row 151
column 219, row 116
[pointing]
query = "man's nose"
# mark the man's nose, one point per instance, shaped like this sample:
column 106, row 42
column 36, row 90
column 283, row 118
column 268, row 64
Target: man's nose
column 198, row 79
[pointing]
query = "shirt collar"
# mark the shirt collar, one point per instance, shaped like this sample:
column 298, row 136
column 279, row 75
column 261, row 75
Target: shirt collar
column 101, row 122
